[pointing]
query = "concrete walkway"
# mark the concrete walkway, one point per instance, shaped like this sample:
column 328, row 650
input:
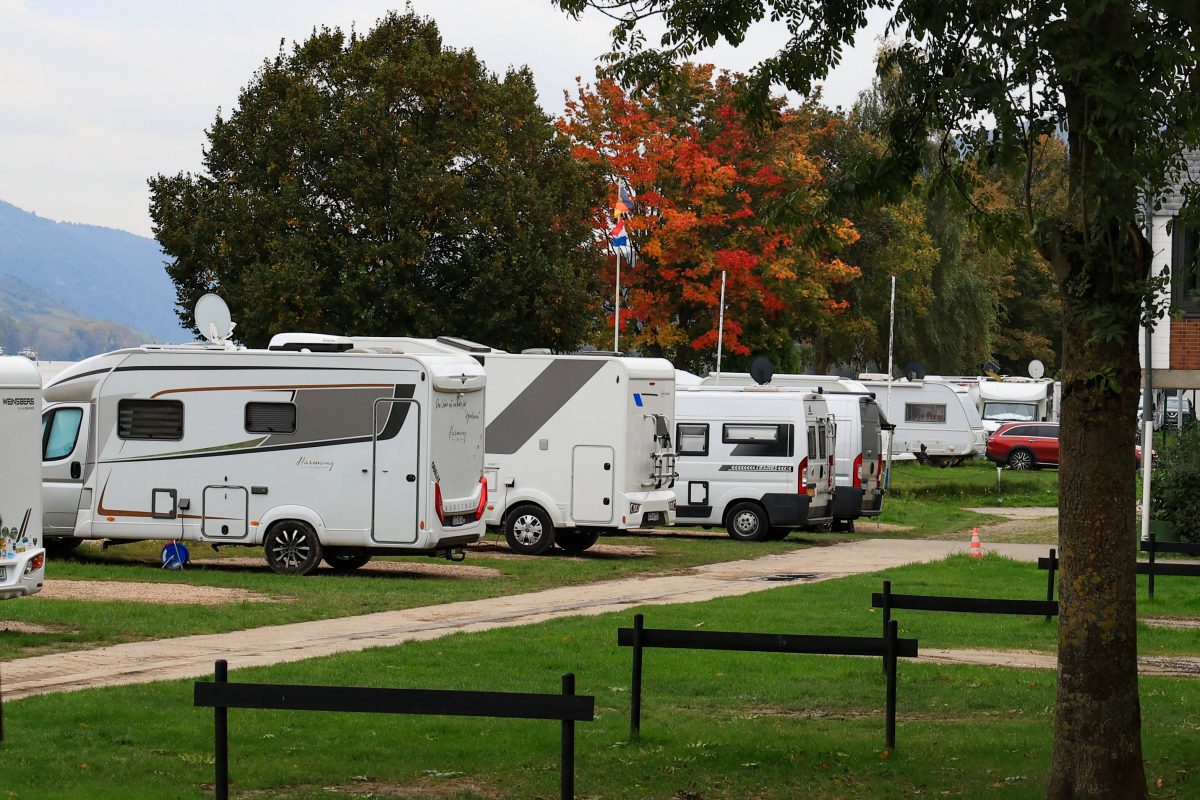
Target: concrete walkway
column 193, row 656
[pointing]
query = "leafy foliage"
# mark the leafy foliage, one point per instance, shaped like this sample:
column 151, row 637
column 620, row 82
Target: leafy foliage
column 1173, row 485
column 386, row 184
column 704, row 179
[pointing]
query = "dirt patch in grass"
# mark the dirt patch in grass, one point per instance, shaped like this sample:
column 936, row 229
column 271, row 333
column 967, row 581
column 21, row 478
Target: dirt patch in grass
column 12, row 626
column 1170, row 622
column 433, row 789
column 500, row 550
column 135, row 592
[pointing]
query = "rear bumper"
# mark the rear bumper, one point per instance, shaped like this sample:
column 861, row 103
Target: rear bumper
column 794, row 510
column 655, row 509
column 847, row 502
column 16, row 583
column 872, row 503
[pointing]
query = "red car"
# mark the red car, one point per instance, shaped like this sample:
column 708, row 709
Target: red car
column 1029, row 445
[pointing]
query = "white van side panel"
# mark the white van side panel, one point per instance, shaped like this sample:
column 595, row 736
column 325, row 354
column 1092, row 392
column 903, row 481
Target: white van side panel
column 20, row 479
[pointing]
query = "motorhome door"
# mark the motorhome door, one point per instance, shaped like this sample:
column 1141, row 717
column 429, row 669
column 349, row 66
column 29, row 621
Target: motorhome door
column 397, row 470
column 592, row 481
column 64, row 459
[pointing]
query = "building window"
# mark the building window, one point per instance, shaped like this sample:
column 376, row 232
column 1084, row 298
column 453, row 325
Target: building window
column 925, row 412
column 1185, row 272
column 150, row 419
column 270, row 417
column 693, row 439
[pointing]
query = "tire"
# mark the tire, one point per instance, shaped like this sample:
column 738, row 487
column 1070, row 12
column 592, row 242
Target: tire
column 747, row 522
column 292, row 548
column 778, row 534
column 61, row 547
column 575, row 540
column 528, row 530
column 1021, row 459
column 343, row 561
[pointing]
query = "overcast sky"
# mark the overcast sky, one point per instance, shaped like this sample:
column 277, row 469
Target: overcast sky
column 95, row 97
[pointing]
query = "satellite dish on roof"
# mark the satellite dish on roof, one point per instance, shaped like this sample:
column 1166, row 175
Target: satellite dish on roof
column 762, row 370
column 991, row 368
column 213, row 319
column 915, row 371
column 1036, row 369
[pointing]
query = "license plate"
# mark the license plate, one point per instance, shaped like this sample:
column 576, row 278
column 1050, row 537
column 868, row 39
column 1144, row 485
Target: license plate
column 652, row 516
column 459, row 520
column 3, row 574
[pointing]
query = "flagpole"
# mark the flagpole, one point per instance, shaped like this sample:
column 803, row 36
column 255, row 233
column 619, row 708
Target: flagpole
column 617, row 315
column 721, row 328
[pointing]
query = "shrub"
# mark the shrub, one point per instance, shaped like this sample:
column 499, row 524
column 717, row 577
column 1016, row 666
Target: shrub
column 1175, row 485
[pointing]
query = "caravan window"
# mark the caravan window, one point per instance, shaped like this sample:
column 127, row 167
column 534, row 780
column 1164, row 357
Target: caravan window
column 692, row 439
column 925, row 412
column 60, row 430
column 270, row 417
column 758, row 439
column 150, row 419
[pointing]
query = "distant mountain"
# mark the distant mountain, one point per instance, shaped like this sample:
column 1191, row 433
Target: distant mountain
column 98, row 273
column 31, row 318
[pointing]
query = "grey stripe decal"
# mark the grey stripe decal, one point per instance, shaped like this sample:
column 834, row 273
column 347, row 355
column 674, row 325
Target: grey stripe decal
column 540, row 400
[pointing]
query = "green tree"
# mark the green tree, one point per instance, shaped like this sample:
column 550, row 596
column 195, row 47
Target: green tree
column 986, row 81
column 386, row 184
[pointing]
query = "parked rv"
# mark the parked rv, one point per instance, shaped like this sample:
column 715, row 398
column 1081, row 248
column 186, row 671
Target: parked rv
column 860, row 450
column 22, row 558
column 1022, row 400
column 334, row 456
column 935, row 422
column 577, row 445
column 757, row 460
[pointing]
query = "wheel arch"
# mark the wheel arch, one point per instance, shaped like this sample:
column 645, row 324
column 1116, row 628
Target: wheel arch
column 281, row 513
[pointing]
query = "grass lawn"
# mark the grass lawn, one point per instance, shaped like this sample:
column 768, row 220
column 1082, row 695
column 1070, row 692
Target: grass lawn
column 973, row 484
column 90, row 623
column 716, row 726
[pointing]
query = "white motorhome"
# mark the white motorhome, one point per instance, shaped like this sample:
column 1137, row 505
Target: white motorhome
column 757, row 460
column 934, row 421
column 1015, row 400
column 577, row 445
column 22, row 558
column 332, row 456
column 860, row 450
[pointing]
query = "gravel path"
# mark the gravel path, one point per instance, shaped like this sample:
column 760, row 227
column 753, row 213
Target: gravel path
column 134, row 592
column 193, row 656
column 1174, row 666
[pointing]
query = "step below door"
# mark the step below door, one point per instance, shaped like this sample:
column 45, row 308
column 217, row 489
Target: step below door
column 592, row 471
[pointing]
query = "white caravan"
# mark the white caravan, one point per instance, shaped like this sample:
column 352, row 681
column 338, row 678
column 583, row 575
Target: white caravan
column 336, row 456
column 577, row 445
column 22, row 558
column 1015, row 400
column 860, row 450
column 934, row 421
column 758, row 460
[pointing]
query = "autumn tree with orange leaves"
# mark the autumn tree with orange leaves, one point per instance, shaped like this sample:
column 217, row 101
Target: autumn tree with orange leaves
column 704, row 181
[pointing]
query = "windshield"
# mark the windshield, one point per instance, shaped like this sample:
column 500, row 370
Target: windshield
column 1010, row 412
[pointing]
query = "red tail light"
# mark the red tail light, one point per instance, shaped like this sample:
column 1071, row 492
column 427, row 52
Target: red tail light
column 800, row 487
column 437, row 503
column 35, row 563
column 879, row 469
column 482, row 499
column 857, row 474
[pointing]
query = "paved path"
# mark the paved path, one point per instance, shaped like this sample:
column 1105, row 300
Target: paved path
column 1175, row 666
column 193, row 656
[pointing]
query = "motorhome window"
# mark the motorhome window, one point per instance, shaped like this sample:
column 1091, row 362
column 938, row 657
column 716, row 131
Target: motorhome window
column 150, row 419
column 1010, row 412
column 925, row 412
column 60, row 430
column 693, row 439
column 758, row 439
column 270, row 417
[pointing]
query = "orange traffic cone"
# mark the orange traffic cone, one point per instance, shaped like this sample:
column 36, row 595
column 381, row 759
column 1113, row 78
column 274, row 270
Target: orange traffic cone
column 976, row 547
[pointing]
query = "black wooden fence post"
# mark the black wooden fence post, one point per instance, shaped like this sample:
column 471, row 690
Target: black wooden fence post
column 221, row 725
column 1050, row 578
column 635, row 695
column 568, row 743
column 889, row 661
column 1150, row 583
column 887, row 615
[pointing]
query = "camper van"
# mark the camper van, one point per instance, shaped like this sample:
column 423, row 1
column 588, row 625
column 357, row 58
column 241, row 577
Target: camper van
column 330, row 456
column 577, row 445
column 757, row 460
column 22, row 558
column 860, row 452
column 1015, row 400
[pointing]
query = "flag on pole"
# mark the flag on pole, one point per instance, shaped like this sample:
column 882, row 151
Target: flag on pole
column 617, row 237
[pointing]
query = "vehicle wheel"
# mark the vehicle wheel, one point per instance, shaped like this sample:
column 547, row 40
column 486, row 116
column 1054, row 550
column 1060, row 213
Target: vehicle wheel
column 776, row 534
column 343, row 561
column 528, row 530
column 292, row 548
column 575, row 540
column 747, row 522
column 60, row 547
column 1021, row 459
